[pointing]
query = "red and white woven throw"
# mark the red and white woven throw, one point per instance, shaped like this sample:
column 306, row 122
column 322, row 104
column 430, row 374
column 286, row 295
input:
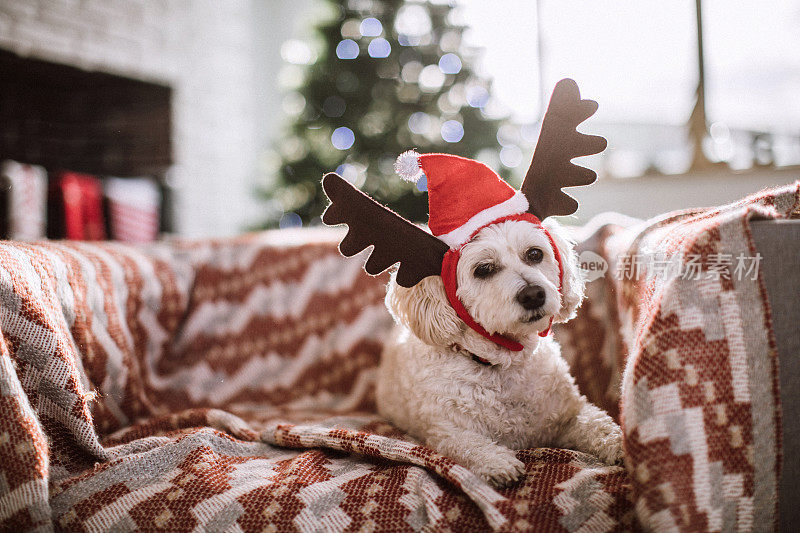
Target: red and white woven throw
column 228, row 385
column 699, row 397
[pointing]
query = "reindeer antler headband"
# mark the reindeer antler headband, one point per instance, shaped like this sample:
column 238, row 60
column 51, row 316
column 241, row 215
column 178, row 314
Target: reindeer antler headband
column 459, row 209
column 419, row 253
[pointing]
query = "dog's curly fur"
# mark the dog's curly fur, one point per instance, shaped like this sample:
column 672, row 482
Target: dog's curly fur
column 430, row 386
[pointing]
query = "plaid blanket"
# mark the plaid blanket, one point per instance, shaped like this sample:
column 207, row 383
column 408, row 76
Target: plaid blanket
column 228, row 385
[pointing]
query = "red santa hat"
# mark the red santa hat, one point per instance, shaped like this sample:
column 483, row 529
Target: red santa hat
column 463, row 195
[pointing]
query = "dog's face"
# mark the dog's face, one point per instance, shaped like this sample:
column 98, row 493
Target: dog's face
column 508, row 280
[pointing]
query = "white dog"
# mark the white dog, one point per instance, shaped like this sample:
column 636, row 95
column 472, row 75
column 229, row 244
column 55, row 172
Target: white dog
column 471, row 399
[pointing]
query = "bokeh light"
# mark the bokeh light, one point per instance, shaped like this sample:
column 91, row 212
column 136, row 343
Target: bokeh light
column 386, row 165
column 446, row 106
column 477, row 96
column 450, row 64
column 408, row 40
column 293, row 103
column 347, row 49
column 373, row 123
column 507, row 135
column 371, row 27
column 420, row 123
column 494, row 109
column 489, row 157
column 293, row 149
column 413, row 21
column 530, row 132
column 348, row 172
column 410, row 72
column 351, row 29
column 343, row 138
column 457, row 95
column 431, row 79
column 290, row 220
column 297, row 52
column 379, row 48
column 388, row 70
column 450, row 41
column 353, row 172
column 452, row 131
column 511, row 156
column 422, row 183
column 408, row 93
column 455, row 17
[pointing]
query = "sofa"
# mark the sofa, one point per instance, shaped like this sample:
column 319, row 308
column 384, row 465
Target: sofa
column 227, row 385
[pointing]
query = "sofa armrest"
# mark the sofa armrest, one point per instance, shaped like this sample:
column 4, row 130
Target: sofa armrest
column 700, row 403
column 778, row 242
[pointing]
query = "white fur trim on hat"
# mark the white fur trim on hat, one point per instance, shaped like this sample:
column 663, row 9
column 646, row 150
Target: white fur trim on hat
column 515, row 205
column 408, row 167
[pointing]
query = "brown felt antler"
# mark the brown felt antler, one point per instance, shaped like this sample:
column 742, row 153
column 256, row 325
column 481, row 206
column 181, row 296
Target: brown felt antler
column 558, row 143
column 395, row 239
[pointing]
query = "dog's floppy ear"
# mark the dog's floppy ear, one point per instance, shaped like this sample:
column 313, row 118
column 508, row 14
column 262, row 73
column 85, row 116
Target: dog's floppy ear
column 572, row 288
column 424, row 309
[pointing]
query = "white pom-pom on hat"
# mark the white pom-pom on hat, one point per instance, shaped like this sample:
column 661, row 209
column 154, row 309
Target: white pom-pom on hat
column 408, row 167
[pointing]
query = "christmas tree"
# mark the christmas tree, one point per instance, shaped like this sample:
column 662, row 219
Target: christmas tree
column 389, row 75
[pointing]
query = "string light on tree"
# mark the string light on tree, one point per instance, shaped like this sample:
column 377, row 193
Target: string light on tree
column 343, row 138
column 450, row 64
column 379, row 48
column 347, row 49
column 370, row 27
column 452, row 131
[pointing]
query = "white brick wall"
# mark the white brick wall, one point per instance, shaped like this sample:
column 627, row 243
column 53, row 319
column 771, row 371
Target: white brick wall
column 205, row 50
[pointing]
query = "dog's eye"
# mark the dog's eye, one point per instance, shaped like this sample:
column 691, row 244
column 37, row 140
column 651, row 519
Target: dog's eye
column 484, row 270
column 534, row 255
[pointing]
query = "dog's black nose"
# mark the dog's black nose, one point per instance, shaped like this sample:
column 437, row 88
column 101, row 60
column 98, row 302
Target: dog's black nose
column 531, row 297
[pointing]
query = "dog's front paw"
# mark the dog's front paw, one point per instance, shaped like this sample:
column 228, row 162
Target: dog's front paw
column 500, row 468
column 610, row 449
